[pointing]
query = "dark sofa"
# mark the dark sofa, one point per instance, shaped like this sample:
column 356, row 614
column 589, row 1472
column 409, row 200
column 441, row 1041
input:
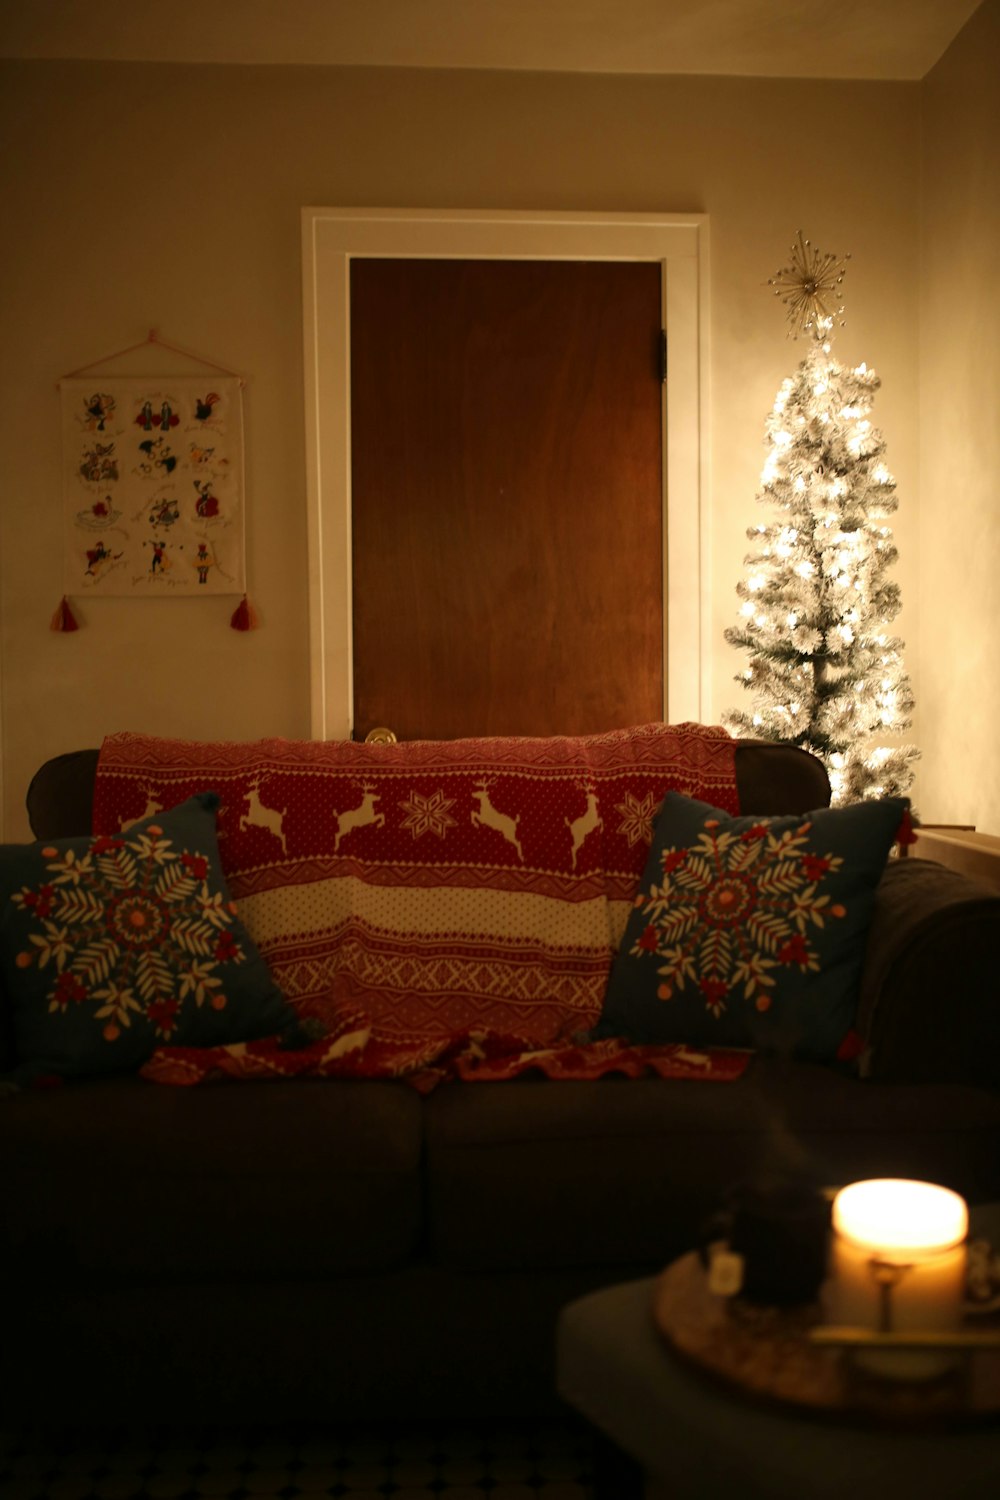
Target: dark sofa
column 353, row 1249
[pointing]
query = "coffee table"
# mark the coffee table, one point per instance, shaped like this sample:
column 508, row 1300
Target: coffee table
column 696, row 1437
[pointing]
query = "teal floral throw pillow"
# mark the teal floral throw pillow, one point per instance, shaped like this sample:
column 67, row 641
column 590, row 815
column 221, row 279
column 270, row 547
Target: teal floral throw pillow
column 750, row 932
column 113, row 946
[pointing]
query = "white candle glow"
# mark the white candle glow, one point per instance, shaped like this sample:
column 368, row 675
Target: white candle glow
column 910, row 1235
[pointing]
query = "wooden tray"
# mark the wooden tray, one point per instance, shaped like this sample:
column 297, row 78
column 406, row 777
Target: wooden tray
column 765, row 1353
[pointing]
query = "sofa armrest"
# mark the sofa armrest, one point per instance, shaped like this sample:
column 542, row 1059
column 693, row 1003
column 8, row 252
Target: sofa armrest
column 929, row 1008
column 60, row 797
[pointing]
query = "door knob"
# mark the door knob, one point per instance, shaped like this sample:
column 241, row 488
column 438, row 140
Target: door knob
column 380, row 736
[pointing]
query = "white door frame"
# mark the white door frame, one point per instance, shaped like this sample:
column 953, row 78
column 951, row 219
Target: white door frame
column 331, row 238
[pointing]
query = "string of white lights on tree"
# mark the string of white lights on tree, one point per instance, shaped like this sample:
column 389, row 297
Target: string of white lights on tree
column 825, row 672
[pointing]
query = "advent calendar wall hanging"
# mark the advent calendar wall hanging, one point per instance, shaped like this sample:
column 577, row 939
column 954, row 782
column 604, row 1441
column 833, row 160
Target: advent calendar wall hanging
column 153, row 485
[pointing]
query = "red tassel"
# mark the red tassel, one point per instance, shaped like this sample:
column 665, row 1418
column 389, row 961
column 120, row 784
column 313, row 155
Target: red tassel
column 243, row 616
column 64, row 618
column 906, row 833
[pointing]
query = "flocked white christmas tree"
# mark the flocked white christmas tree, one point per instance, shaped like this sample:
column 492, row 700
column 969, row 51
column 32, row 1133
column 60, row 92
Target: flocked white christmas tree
column 824, row 670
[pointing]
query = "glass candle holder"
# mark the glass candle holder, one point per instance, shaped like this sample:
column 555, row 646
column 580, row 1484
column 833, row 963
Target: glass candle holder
column 898, row 1265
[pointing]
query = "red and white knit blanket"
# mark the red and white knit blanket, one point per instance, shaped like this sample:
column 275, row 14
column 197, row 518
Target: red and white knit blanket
column 432, row 892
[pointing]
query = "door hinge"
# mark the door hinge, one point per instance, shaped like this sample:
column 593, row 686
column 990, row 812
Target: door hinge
column 663, row 356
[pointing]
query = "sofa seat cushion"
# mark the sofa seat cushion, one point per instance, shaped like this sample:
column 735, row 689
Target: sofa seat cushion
column 120, row 1179
column 624, row 1172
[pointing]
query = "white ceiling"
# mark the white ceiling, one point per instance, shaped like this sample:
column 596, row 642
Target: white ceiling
column 890, row 39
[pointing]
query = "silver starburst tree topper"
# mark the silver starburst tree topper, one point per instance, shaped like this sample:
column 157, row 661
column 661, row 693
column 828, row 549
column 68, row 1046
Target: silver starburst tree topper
column 810, row 289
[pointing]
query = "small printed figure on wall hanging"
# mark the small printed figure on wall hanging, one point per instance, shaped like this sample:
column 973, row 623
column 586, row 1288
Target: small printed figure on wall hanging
column 205, row 409
column 158, row 456
column 164, row 511
column 159, row 561
column 99, row 409
column 97, row 556
column 203, row 561
column 165, row 418
column 99, row 464
column 207, row 505
column 98, row 516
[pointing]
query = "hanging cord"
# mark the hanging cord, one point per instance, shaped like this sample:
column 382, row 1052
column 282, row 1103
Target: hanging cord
column 154, row 338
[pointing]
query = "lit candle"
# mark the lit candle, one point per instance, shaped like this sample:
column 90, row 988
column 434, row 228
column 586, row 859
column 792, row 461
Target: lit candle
column 898, row 1265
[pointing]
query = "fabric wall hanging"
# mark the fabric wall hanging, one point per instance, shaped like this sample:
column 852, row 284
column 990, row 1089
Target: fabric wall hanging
column 153, row 486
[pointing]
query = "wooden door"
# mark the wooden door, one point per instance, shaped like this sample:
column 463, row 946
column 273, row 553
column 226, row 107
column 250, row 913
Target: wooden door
column 506, row 457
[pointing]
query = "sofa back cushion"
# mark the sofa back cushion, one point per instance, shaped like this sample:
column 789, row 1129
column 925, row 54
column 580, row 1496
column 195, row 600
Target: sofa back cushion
column 440, row 885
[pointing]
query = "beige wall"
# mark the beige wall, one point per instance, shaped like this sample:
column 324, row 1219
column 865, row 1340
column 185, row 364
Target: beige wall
column 169, row 196
column 959, row 579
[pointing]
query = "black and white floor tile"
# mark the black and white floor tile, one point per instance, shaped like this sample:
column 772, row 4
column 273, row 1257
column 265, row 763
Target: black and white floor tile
column 553, row 1462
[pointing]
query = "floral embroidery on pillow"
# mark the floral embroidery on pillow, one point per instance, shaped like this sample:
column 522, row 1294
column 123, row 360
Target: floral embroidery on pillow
column 733, row 908
column 131, row 927
column 750, row 931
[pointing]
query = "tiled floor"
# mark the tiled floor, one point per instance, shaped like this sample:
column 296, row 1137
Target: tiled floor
column 419, row 1463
